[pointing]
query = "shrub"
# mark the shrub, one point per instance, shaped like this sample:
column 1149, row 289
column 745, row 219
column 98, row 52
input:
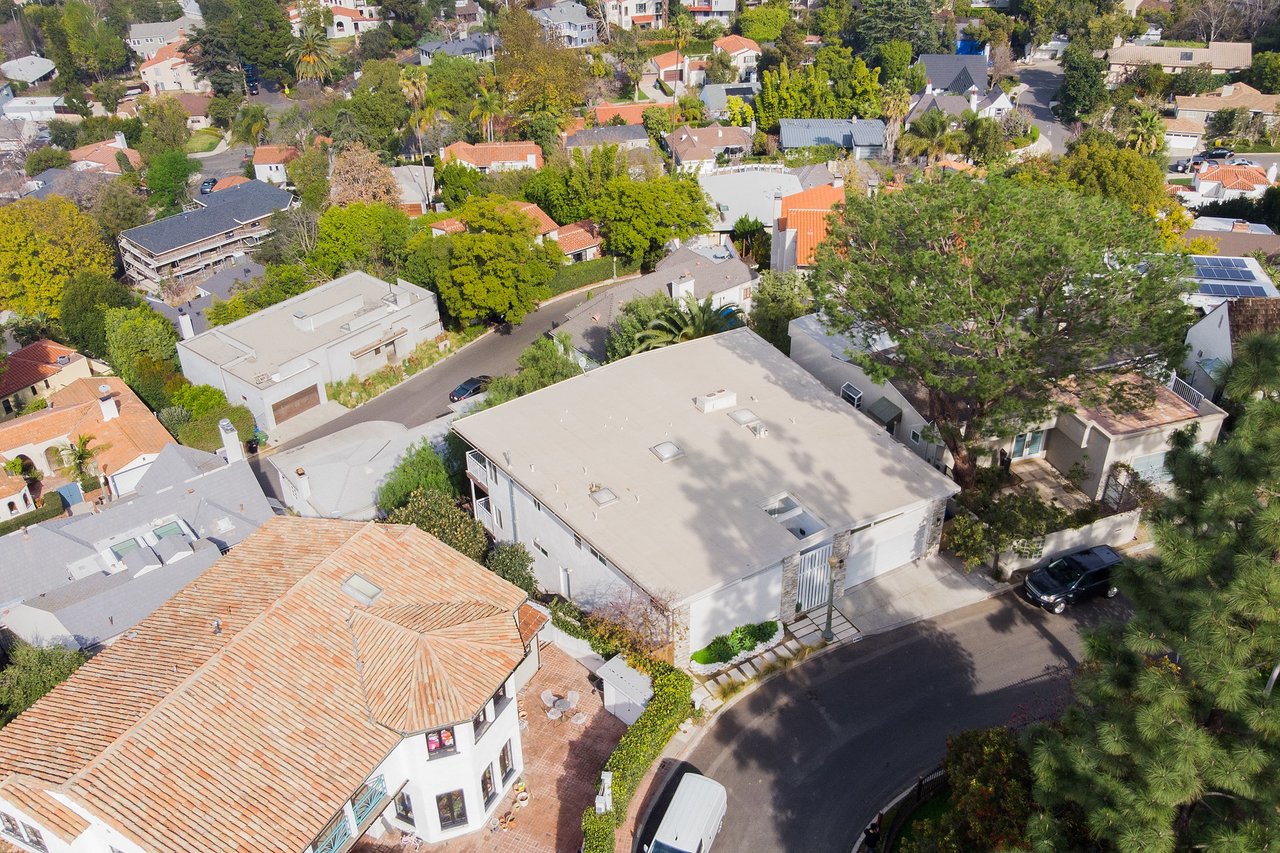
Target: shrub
column 573, row 276
column 726, row 647
column 511, row 562
column 54, row 506
column 719, row 650
column 990, row 779
column 35, row 404
column 421, row 468
column 203, row 434
column 173, row 417
column 199, row 400
column 438, row 514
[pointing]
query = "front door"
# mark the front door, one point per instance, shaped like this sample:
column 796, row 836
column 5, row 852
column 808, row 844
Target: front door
column 814, row 579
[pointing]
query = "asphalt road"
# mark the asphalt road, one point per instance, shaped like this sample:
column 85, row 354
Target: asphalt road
column 811, row 756
column 1043, row 81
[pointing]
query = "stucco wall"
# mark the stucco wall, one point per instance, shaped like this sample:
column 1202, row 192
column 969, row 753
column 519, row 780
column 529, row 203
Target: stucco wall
column 1115, row 530
column 750, row 600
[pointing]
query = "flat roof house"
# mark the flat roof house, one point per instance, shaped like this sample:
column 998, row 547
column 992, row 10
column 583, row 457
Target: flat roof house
column 194, row 245
column 714, row 476
column 322, row 677
column 278, row 360
column 83, row 580
column 36, row 371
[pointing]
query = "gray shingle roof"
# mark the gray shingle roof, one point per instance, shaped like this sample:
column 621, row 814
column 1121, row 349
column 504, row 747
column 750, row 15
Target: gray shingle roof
column 472, row 45
column 955, row 73
column 217, row 286
column 716, row 95
column 841, row 132
column 608, row 135
column 222, row 211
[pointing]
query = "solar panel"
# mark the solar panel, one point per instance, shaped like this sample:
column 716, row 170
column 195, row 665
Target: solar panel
column 1232, row 291
column 1223, row 272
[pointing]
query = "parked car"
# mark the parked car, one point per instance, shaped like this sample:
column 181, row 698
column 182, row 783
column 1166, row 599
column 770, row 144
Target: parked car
column 1195, row 162
column 470, row 388
column 1216, row 153
column 1243, row 162
column 206, row 186
column 1073, row 578
column 693, row 817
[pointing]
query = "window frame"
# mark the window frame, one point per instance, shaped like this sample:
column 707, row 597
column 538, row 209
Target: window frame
column 402, row 804
column 451, row 748
column 492, row 793
column 506, row 756
column 456, row 798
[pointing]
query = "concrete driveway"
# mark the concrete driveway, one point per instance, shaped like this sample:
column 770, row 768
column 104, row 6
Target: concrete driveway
column 813, row 754
column 1043, row 81
column 924, row 589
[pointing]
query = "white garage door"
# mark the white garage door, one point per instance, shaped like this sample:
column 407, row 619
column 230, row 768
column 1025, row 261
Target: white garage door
column 885, row 546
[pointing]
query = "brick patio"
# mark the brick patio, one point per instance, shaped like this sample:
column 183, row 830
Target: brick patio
column 562, row 763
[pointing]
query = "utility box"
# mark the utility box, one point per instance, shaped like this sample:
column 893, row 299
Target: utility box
column 626, row 691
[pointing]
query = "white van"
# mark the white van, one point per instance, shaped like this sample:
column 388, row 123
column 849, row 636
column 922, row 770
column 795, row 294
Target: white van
column 693, row 818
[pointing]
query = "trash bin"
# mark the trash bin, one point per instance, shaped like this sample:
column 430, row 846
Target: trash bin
column 251, row 446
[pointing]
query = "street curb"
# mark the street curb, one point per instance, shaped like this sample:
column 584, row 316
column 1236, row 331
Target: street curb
column 858, row 845
column 587, row 288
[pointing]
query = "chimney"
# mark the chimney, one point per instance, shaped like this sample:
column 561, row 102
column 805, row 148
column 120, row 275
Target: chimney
column 304, row 484
column 777, row 206
column 120, row 140
column 973, row 98
column 681, row 287
column 110, row 411
column 1240, row 226
column 185, row 327
column 230, row 441
column 837, row 181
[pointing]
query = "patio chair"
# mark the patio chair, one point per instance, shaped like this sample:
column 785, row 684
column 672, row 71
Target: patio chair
column 578, row 718
column 554, row 713
column 573, row 696
column 548, row 698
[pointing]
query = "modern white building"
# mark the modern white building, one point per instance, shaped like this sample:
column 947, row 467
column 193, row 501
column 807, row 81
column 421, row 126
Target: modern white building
column 278, row 361
column 324, row 680
column 715, row 477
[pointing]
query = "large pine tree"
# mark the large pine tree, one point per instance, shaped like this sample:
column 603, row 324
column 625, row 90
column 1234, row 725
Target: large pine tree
column 1173, row 742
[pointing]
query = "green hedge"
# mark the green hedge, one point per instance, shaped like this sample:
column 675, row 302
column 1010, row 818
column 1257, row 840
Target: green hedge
column 573, row 276
column 203, row 433
column 640, row 746
column 726, row 647
column 54, row 506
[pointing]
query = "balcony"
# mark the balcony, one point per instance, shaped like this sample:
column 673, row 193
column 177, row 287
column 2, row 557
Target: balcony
column 477, row 467
column 484, row 514
column 369, row 800
column 335, row 836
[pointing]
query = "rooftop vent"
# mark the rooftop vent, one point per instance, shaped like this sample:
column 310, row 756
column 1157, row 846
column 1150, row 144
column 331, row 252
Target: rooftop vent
column 603, row 495
column 744, row 417
column 716, row 401
column 362, row 589
column 667, row 450
column 759, row 429
column 64, row 360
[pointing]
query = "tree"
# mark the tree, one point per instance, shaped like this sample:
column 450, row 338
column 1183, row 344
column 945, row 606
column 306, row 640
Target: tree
column 359, row 176
column 777, row 299
column 894, row 58
column 213, row 54
column 489, row 105
column 309, row 174
column 43, row 243
column 1264, row 74
column 167, row 177
column 1122, row 174
column 32, row 672
column 1171, row 743
column 250, row 125
column 751, row 240
column 117, row 207
column 437, row 513
column 109, row 93
column 542, row 363
column 378, row 106
column 634, row 318
column 200, row 401
column 165, row 121
column 895, row 102
column 537, row 74
column 26, row 329
column 1146, row 133
column 1083, row 83
column 375, row 44
column 360, row 236
column 457, row 184
column 77, row 458
column 262, row 36
column 657, row 121
column 94, row 46
column 984, row 140
column 511, row 562
column 763, row 23
column 84, row 301
column 420, row 468
column 312, row 55
column 856, row 87
column 638, row 218
column 45, row 158
column 805, row 93
column 720, row 68
column 1032, row 291
column 135, row 336
column 879, row 22
column 931, row 137
column 995, row 522
column 686, row 321
column 738, row 112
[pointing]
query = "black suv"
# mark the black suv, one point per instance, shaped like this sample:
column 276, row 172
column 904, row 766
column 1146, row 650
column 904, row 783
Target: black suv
column 468, row 389
column 1072, row 578
column 1218, row 153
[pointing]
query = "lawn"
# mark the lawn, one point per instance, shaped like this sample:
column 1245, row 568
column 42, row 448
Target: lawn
column 203, row 140
column 936, row 808
column 1180, row 182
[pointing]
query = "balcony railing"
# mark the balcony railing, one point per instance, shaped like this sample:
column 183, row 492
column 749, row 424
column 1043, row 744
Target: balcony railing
column 477, row 467
column 484, row 514
column 368, row 801
column 1186, row 392
column 339, row 835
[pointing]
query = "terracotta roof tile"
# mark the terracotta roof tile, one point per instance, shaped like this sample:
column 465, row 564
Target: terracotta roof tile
column 806, row 213
column 1234, row 177
column 734, row 44
column 1242, row 96
column 54, row 815
column 485, row 154
column 670, row 59
column 631, row 113
column 577, row 236
column 164, row 54
column 33, row 363
column 544, row 222
column 104, row 154
column 268, row 155
column 531, row 621
column 227, row 183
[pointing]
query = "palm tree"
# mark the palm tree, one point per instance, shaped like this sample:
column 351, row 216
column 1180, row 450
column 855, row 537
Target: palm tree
column 683, row 26
column 687, row 321
column 931, row 136
column 432, row 108
column 895, row 102
column 312, row 55
column 1146, row 133
column 77, row 460
column 250, row 125
column 413, row 84
column 489, row 105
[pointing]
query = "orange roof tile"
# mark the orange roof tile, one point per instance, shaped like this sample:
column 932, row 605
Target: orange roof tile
column 33, row 363
column 531, row 621
column 104, row 154
column 1235, row 177
column 577, row 236
column 735, row 44
column 269, row 155
column 448, row 226
column 485, row 154
column 631, row 113
column 544, row 222
column 228, row 183
column 670, row 59
column 253, row 737
column 806, row 213
column 55, row 816
column 164, row 54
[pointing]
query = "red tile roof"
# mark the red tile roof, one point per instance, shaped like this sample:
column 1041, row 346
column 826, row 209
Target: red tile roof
column 577, row 236
column 164, row 54
column 485, row 154
column 531, row 621
column 104, row 155
column 670, row 59
column 631, row 113
column 228, row 183
column 735, row 44
column 1235, row 177
column 32, row 364
column 806, row 213
column 270, row 155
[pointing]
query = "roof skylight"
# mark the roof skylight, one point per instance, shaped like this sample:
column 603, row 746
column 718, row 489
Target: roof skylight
column 744, row 417
column 603, row 496
column 667, row 450
column 362, row 589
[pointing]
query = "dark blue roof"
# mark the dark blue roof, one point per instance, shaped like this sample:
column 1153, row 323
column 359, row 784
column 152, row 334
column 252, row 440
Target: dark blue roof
column 222, row 211
column 955, row 74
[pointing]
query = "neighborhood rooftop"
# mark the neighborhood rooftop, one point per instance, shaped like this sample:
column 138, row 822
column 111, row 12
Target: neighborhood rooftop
column 220, row 212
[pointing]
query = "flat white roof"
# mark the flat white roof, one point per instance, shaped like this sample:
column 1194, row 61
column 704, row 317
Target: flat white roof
column 698, row 522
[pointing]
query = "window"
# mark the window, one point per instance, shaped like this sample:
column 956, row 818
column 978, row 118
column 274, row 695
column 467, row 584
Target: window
column 1028, row 444
column 441, row 742
column 122, row 548
column 577, row 541
column 851, row 395
column 13, row 508
column 598, row 556
column 8, row 407
column 487, row 789
column 498, row 514
column 34, row 838
column 173, row 528
column 505, row 765
column 915, row 436
column 537, row 544
column 404, row 807
column 452, row 808
column 481, row 722
column 537, row 505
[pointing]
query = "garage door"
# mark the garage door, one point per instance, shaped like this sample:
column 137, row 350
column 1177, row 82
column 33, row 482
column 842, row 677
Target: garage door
column 296, row 404
column 885, row 546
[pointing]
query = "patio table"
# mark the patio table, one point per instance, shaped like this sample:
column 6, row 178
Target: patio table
column 562, row 705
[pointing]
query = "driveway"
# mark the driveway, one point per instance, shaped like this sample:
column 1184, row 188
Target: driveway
column 224, row 164
column 812, row 755
column 1043, row 81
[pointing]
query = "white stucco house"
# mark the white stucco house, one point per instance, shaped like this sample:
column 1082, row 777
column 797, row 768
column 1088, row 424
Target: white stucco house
column 716, row 477
column 1212, row 341
column 324, row 681
column 278, row 360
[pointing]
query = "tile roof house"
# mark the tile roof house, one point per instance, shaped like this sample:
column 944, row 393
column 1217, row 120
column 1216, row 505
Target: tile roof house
column 126, row 432
column 695, row 148
column 269, row 162
column 1090, row 439
column 168, row 71
column 801, row 224
column 1221, row 56
column 742, row 52
column 675, row 66
column 698, row 499
column 494, row 156
column 863, row 137
column 104, row 156
column 36, row 371
column 85, row 579
column 1231, row 96
column 630, row 113
column 15, row 495
column 194, row 244
column 634, row 14
column 580, row 241
column 322, row 676
column 685, row 273
column 1212, row 341
column 947, row 73
column 349, row 18
column 1226, row 182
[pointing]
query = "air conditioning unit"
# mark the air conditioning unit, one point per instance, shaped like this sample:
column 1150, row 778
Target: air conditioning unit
column 851, row 395
column 716, row 401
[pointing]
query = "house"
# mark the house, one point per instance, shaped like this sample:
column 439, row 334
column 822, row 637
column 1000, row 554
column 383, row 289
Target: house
column 85, row 579
column 494, row 156
column 864, row 138
column 197, row 107
column 675, row 66
column 801, row 223
column 17, row 134
column 191, row 317
column 694, row 148
column 634, row 14
column 705, row 11
column 125, row 432
column 109, row 157
column 742, row 52
column 1049, row 51
column 628, row 137
column 687, row 273
column 36, row 371
column 1182, row 136
column 1212, row 342
column 269, row 162
column 467, row 12
column 145, row 39
column 568, row 23
column 580, row 241
column 39, row 109
column 1223, row 57
column 1231, row 96
column 417, row 186
column 480, row 47
column 1217, row 278
column 29, row 69
column 715, row 477
column 278, row 360
column 349, row 19
column 1226, row 182
column 715, row 97
column 193, row 245
column 745, row 191
column 545, row 228
column 168, row 71
column 352, row 676
column 994, row 104
column 1081, row 443
column 79, row 185
column 949, row 74
column 1234, row 237
column 15, row 495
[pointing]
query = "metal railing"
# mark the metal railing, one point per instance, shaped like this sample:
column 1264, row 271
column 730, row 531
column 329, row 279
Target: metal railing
column 369, row 800
column 477, row 466
column 484, row 514
column 338, row 836
column 1186, row 392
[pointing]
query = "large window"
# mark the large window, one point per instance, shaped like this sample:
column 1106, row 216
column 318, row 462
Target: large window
column 487, row 789
column 482, row 721
column 404, row 807
column 452, row 808
column 173, row 528
column 1028, row 444
column 441, row 742
column 122, row 548
column 505, row 764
